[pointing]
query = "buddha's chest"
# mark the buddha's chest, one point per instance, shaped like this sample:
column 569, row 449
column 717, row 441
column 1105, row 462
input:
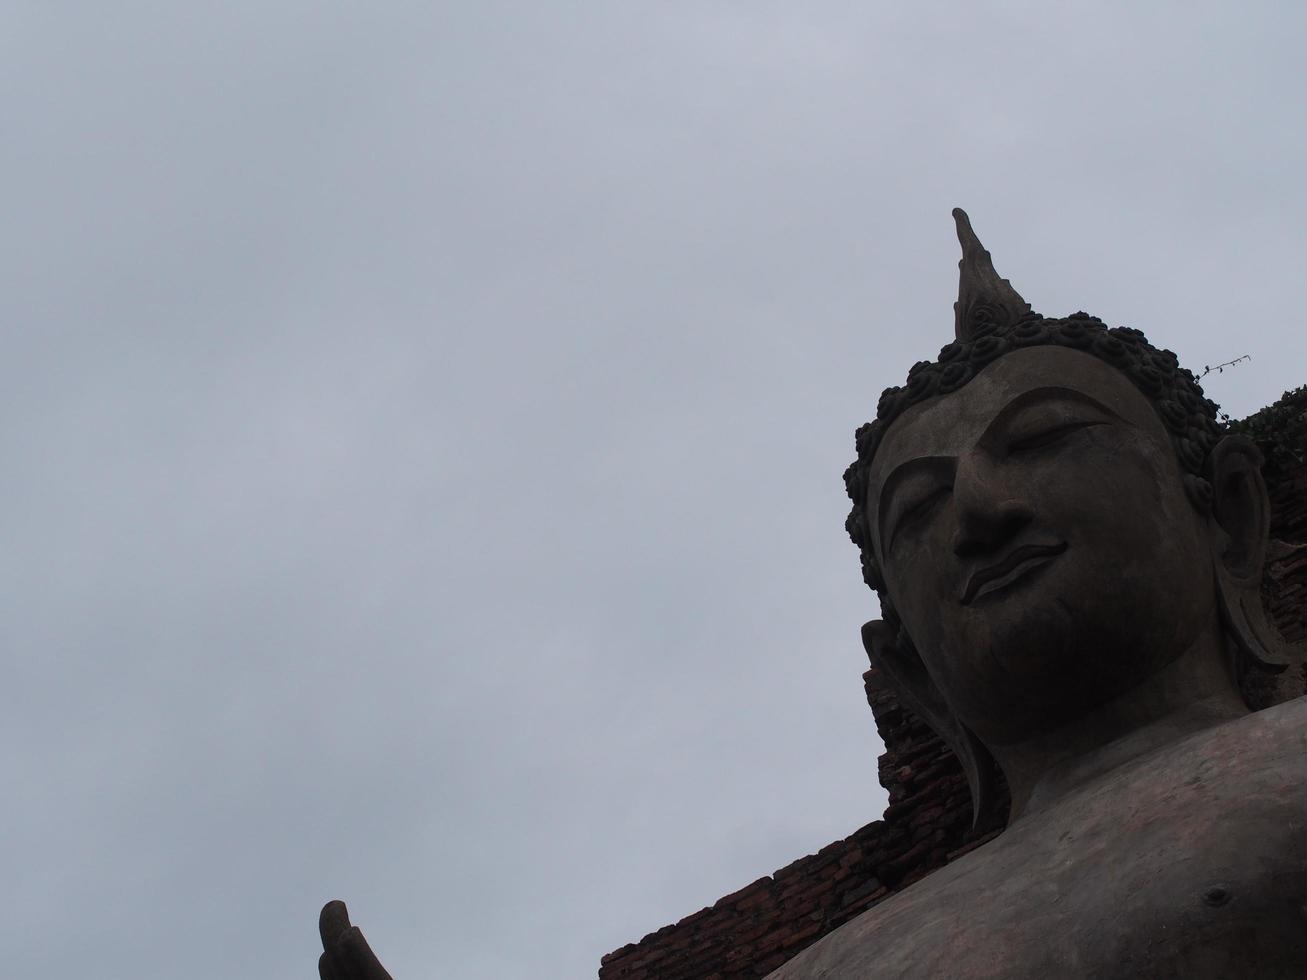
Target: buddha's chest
column 1186, row 890
column 1192, row 866
column 1195, row 868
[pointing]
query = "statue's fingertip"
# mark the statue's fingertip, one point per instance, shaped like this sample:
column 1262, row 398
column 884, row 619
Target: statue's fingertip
column 333, row 922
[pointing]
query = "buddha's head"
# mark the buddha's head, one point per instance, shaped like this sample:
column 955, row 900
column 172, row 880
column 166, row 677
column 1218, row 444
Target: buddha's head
column 1050, row 515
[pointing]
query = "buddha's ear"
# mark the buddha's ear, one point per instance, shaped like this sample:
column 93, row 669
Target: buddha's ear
column 1241, row 507
column 1242, row 514
column 907, row 677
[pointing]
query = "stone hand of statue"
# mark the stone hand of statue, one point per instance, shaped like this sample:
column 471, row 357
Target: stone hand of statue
column 346, row 954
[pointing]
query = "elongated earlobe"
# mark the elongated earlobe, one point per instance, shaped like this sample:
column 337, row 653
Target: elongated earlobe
column 908, row 678
column 1241, row 513
column 1241, row 507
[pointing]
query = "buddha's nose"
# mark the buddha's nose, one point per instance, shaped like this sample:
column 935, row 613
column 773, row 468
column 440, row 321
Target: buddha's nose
column 990, row 513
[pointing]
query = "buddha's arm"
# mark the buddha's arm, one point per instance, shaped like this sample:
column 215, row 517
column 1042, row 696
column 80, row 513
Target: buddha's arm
column 346, row 955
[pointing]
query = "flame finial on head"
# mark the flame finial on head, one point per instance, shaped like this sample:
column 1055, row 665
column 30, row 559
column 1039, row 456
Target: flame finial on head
column 983, row 298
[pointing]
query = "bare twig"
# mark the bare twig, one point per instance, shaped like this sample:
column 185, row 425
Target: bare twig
column 1220, row 368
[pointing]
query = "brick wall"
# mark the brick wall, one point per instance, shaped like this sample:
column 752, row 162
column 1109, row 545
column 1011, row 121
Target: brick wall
column 1284, row 590
column 754, row 930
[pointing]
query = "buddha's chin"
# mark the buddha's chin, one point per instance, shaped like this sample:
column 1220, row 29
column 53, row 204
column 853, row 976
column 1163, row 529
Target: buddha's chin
column 1055, row 643
column 1030, row 638
column 1077, row 651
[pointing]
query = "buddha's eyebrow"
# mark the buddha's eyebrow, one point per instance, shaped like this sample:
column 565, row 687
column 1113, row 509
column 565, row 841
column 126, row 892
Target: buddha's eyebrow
column 941, row 467
column 1039, row 396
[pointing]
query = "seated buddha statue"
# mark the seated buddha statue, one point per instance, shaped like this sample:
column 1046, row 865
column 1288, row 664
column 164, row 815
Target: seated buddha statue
column 1068, row 551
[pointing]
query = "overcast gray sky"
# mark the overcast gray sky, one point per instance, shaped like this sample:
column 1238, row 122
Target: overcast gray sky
column 423, row 425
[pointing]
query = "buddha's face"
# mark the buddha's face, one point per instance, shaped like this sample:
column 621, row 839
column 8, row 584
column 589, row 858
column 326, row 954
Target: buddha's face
column 1036, row 539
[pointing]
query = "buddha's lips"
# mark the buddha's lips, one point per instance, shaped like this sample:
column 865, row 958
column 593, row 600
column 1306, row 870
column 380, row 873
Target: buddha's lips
column 1016, row 561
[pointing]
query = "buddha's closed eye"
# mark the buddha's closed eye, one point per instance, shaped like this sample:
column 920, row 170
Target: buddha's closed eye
column 918, row 512
column 1048, row 436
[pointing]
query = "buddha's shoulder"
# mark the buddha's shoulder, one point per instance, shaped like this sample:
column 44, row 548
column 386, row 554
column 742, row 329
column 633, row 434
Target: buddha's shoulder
column 1287, row 720
column 1273, row 738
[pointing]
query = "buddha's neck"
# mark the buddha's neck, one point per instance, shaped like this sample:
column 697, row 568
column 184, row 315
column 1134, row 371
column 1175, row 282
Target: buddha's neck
column 1192, row 693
